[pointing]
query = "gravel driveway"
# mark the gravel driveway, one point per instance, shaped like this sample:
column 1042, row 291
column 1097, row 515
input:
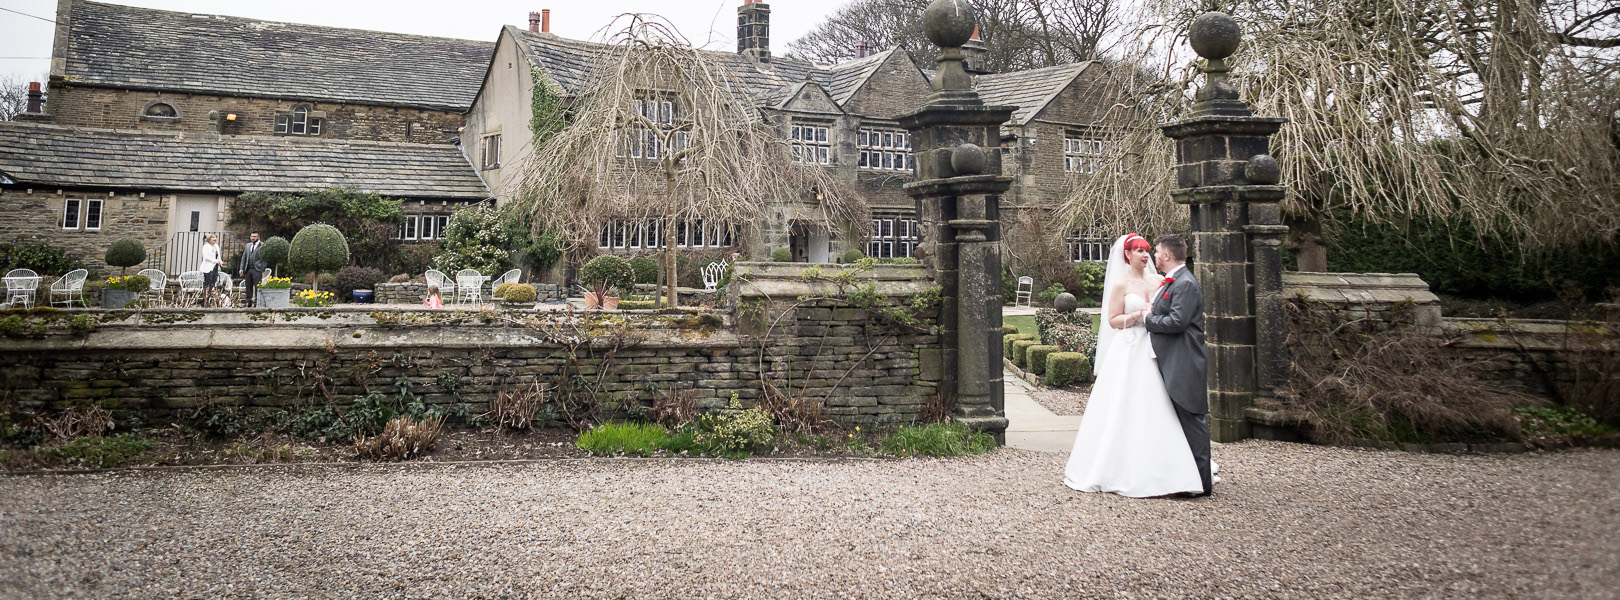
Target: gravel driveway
column 1289, row 521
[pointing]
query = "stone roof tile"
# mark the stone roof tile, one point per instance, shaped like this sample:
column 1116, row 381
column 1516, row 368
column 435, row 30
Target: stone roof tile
column 1030, row 90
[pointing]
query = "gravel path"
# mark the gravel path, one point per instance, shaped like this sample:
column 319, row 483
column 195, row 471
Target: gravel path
column 1289, row 521
column 1062, row 401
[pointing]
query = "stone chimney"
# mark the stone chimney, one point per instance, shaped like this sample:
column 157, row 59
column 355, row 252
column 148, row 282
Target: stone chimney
column 864, row 48
column 976, row 54
column 36, row 98
column 540, row 22
column 754, row 30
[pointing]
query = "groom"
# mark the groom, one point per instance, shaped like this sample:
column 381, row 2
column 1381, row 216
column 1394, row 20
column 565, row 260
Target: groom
column 1175, row 322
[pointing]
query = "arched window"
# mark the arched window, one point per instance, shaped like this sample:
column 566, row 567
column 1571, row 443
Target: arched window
column 159, row 110
column 301, row 121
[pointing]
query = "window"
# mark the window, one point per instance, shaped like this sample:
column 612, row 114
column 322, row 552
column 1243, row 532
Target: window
column 492, row 151
column 640, row 141
column 159, row 110
column 1083, row 155
column 407, row 230
column 301, row 121
column 811, row 145
column 1087, row 245
column 70, row 214
column 621, row 233
column 429, row 228
column 92, row 214
column 893, row 237
column 884, row 150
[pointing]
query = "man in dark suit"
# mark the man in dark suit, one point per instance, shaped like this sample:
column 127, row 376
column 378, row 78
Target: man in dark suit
column 251, row 269
column 1175, row 324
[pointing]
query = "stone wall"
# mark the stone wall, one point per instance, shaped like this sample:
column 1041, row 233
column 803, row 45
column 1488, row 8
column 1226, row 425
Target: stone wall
column 415, row 293
column 123, row 109
column 35, row 216
column 161, row 365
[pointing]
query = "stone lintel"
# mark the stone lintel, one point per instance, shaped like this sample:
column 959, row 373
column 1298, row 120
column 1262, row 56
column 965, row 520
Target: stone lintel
column 960, row 186
column 1222, row 125
column 958, row 115
column 1228, row 193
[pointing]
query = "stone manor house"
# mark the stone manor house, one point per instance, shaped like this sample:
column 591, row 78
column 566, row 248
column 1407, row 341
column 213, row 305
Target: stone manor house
column 156, row 120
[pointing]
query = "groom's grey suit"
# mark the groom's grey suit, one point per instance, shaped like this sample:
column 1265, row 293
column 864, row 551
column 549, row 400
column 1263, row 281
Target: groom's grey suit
column 1176, row 329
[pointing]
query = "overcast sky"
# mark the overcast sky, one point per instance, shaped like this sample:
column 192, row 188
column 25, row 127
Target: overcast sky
column 25, row 43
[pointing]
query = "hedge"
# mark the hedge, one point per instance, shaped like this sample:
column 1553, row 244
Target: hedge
column 1020, row 347
column 1007, row 342
column 1064, row 368
column 1037, row 357
column 1007, row 330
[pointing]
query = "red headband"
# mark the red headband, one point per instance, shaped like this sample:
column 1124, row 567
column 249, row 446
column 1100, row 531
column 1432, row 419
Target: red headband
column 1132, row 242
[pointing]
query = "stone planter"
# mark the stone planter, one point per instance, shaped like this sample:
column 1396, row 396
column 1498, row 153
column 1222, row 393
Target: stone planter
column 276, row 298
column 116, row 298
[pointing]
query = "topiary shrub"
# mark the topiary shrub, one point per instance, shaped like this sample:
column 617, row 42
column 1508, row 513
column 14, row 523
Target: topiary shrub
column 519, row 293
column 500, row 290
column 645, row 269
column 1007, row 330
column 1064, row 368
column 1007, row 342
column 1036, row 357
column 318, row 248
column 125, row 253
column 275, row 251
column 852, row 256
column 781, row 255
column 352, row 277
column 615, row 272
column 1020, row 350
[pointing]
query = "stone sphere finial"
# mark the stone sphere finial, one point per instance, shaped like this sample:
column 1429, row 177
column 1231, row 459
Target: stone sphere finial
column 969, row 159
column 1263, row 170
column 949, row 23
column 1215, row 35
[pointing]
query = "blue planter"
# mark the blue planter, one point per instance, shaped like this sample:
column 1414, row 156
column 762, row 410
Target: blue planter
column 362, row 296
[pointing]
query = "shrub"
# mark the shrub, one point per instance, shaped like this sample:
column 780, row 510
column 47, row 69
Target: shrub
column 519, row 293
column 1560, row 425
column 1036, row 357
column 351, row 278
column 1020, row 348
column 635, row 439
column 937, row 440
column 1009, row 285
column 638, row 304
column 738, row 429
column 275, row 251
column 39, row 258
column 79, row 421
column 851, row 257
column 478, row 237
column 97, row 452
column 675, row 408
column 276, row 283
column 1074, row 338
column 645, row 269
column 318, row 248
column 1088, row 277
column 313, row 298
column 403, row 438
column 614, row 271
column 369, row 220
column 133, row 283
column 781, row 255
column 515, row 409
column 1007, row 342
column 1007, row 330
column 500, row 290
column 1064, row 368
column 400, row 278
column 125, row 253
column 1051, row 293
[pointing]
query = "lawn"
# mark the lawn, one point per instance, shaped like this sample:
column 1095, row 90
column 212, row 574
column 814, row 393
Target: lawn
column 1026, row 323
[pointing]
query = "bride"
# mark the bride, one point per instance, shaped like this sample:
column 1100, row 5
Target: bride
column 1130, row 442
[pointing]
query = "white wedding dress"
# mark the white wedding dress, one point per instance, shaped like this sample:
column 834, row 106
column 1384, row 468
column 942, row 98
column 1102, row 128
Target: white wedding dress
column 1130, row 442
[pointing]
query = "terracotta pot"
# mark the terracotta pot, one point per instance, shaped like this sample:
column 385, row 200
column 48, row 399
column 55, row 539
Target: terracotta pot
column 610, row 302
column 592, row 301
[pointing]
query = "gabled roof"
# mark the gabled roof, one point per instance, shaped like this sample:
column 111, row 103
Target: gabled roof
column 844, row 79
column 1030, row 90
column 122, row 46
column 52, row 155
column 568, row 62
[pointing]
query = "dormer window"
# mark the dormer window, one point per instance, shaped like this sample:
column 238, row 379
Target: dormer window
column 301, row 121
column 159, row 110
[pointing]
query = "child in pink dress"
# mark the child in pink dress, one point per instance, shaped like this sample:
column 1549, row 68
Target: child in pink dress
column 433, row 299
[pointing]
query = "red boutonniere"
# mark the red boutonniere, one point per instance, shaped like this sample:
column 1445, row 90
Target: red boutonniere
column 1167, row 282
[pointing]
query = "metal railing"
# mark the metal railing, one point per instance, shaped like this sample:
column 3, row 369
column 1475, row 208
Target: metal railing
column 183, row 252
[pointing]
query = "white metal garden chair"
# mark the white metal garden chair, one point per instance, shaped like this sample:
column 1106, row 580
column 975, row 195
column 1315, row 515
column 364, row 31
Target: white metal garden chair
column 224, row 288
column 469, row 285
column 1026, row 289
column 712, row 273
column 70, row 287
column 160, row 284
column 511, row 276
column 191, row 288
column 21, row 284
column 447, row 288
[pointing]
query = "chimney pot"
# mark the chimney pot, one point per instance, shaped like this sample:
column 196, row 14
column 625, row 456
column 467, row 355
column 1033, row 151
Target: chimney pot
column 545, row 20
column 534, row 21
column 36, row 98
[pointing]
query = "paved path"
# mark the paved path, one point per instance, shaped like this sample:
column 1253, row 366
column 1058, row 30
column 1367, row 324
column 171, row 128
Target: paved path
column 1030, row 426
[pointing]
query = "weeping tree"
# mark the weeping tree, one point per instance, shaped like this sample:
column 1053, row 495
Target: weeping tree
column 665, row 133
column 1501, row 118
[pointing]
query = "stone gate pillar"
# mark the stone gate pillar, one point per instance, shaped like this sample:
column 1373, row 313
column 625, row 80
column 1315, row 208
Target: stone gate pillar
column 955, row 138
column 1225, row 173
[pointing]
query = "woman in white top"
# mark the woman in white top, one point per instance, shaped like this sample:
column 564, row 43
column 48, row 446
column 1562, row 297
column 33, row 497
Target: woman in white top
column 210, row 266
